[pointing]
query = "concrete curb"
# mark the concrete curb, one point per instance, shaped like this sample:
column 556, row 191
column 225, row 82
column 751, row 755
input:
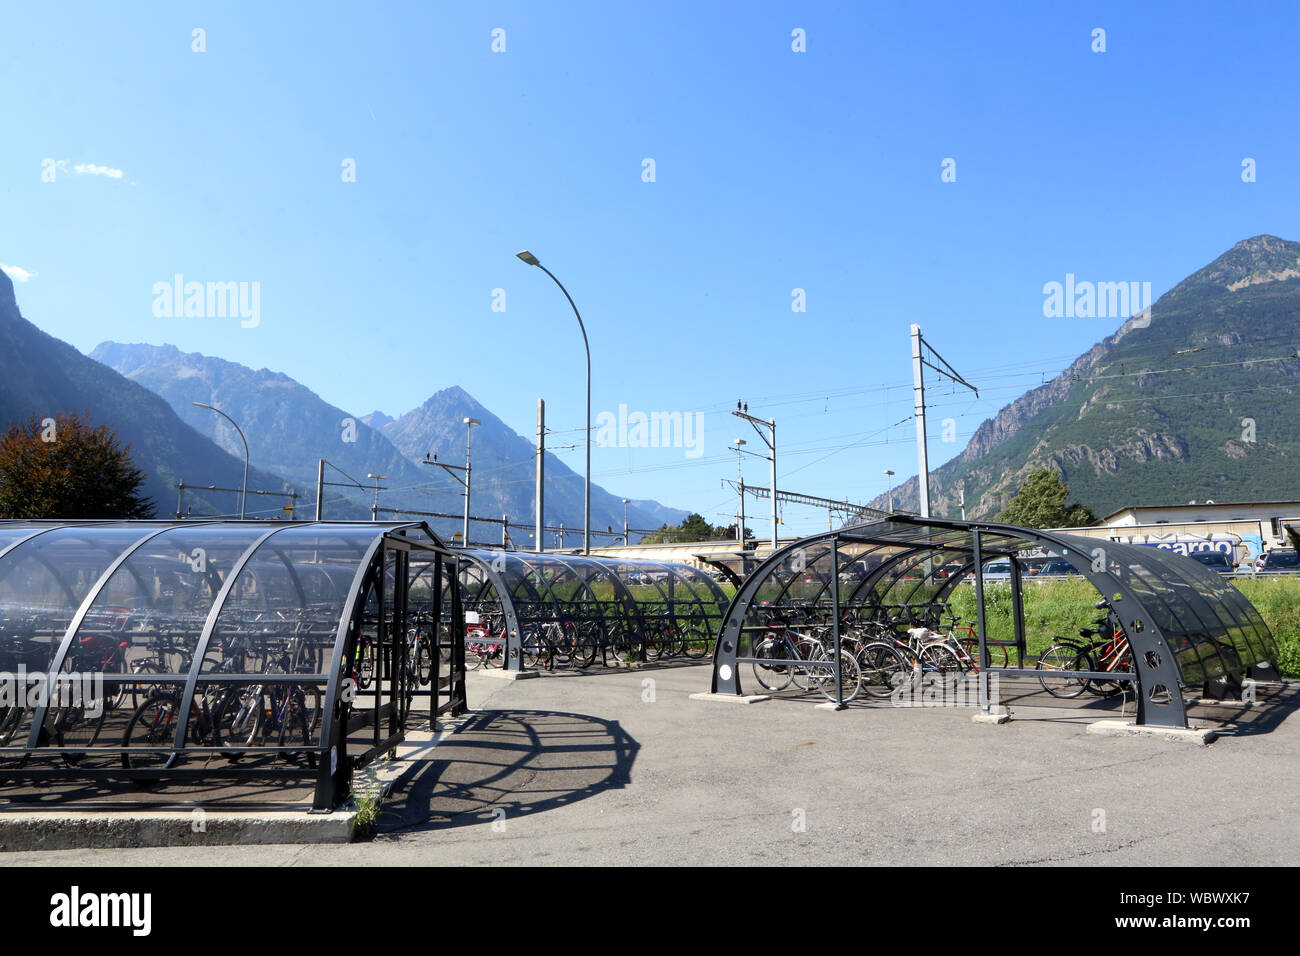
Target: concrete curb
column 98, row 829
column 733, row 698
column 1121, row 728
column 501, row 674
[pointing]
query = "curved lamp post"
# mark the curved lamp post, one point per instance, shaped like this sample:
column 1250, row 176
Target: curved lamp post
column 243, row 496
column 531, row 260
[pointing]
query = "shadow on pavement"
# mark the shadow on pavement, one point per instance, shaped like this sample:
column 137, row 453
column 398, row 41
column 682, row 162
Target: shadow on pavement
column 503, row 764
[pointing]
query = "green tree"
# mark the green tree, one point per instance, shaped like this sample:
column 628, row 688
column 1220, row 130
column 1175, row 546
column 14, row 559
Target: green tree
column 63, row 467
column 1040, row 503
column 692, row 528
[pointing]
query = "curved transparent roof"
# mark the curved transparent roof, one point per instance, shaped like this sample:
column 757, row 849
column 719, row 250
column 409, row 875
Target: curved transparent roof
column 1208, row 626
column 179, row 611
column 615, row 593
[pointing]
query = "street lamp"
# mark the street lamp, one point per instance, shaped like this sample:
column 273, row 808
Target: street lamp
column 243, row 496
column 469, row 431
column 530, row 259
column 625, row 504
column 374, row 509
column 890, row 478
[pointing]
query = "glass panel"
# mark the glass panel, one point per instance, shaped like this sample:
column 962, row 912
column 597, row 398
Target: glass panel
column 283, row 612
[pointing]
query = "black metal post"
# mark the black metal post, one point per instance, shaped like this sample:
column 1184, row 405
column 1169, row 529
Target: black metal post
column 1017, row 611
column 979, row 623
column 835, row 621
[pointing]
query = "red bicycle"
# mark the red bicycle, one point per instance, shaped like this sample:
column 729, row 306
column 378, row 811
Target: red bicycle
column 483, row 646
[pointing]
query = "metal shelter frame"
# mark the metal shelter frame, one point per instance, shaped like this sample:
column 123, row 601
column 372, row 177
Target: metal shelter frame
column 236, row 652
column 1185, row 624
column 615, row 600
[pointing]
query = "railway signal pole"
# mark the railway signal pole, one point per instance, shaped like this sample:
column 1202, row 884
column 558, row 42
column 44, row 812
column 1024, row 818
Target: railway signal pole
column 919, row 362
column 769, row 439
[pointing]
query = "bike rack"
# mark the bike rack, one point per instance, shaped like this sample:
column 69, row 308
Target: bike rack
column 234, row 628
column 533, row 589
column 1185, row 625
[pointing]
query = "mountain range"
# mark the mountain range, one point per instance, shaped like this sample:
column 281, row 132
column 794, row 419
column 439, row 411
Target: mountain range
column 1196, row 398
column 289, row 428
column 43, row 376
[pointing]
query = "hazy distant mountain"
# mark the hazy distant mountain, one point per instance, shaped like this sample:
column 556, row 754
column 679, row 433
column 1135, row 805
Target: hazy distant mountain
column 1199, row 399
column 289, row 427
column 504, row 467
column 41, row 375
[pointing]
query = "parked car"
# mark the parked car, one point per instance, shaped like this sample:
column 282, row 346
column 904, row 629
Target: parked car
column 997, row 571
column 1284, row 560
column 1214, row 560
column 1057, row 567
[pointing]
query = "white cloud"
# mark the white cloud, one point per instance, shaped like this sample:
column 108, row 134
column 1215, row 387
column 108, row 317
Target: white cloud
column 90, row 169
column 18, row 273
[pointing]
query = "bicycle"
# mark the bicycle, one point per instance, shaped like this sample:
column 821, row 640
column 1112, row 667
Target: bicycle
column 803, row 660
column 1115, row 656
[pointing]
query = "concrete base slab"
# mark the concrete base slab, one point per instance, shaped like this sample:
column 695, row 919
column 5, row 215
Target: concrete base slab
column 995, row 717
column 501, row 674
column 66, row 830
column 1215, row 702
column 1120, row 728
column 733, row 698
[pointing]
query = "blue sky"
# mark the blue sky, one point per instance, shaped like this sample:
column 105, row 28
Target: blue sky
column 774, row 170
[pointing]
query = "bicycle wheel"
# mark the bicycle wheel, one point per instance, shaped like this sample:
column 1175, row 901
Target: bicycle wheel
column 773, row 677
column 423, row 662
column 883, row 669
column 823, row 678
column 11, row 718
column 1109, row 688
column 295, row 720
column 152, row 725
column 584, row 651
column 939, row 658
column 365, row 663
column 997, row 652
column 807, row 649
column 74, row 728
column 696, row 643
column 1063, row 657
column 237, row 719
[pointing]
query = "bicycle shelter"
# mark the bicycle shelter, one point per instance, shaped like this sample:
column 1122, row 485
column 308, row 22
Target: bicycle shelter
column 110, row 631
column 1185, row 624
column 615, row 603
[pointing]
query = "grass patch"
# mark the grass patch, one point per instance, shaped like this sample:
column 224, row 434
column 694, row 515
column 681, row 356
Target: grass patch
column 1060, row 608
column 366, row 816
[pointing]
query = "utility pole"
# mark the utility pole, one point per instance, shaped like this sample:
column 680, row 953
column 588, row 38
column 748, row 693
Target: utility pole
column 919, row 362
column 374, row 509
column 538, row 544
column 961, row 493
column 464, row 470
column 740, row 475
column 769, row 439
column 320, row 488
column 626, row 501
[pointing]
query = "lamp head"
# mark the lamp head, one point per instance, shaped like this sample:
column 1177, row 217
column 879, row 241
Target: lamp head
column 528, row 257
